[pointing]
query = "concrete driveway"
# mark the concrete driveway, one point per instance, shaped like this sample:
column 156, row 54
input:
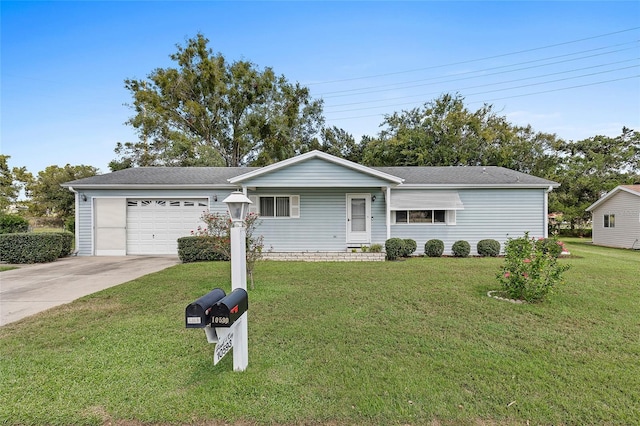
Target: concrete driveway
column 35, row 288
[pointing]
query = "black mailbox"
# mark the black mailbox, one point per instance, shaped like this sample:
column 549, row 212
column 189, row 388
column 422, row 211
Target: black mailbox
column 227, row 311
column 198, row 313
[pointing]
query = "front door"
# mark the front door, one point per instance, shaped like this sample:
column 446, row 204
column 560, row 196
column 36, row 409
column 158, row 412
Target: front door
column 358, row 218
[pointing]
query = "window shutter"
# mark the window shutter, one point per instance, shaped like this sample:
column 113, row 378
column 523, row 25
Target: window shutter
column 254, row 207
column 451, row 217
column 295, row 206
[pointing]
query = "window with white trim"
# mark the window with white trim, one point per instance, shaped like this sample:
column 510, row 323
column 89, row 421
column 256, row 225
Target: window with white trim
column 420, row 216
column 276, row 206
column 609, row 220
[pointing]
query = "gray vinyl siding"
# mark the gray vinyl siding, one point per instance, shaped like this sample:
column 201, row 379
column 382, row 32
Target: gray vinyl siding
column 322, row 223
column 84, row 227
column 315, row 173
column 626, row 233
column 497, row 214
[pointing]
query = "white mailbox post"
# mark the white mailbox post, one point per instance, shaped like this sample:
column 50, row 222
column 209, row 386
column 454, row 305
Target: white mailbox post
column 238, row 203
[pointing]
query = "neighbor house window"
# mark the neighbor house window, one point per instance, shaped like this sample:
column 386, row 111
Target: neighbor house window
column 609, row 220
column 276, row 206
column 420, row 216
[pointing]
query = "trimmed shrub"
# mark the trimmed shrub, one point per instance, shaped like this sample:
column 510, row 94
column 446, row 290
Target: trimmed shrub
column 461, row 248
column 67, row 242
column 434, row 248
column 551, row 246
column 394, row 248
column 488, row 247
column 408, row 247
column 198, row 249
column 31, row 247
column 12, row 223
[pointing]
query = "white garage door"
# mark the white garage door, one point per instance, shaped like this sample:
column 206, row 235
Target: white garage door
column 154, row 225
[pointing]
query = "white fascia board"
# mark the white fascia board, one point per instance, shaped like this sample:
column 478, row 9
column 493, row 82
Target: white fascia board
column 476, row 186
column 316, row 154
column 155, row 186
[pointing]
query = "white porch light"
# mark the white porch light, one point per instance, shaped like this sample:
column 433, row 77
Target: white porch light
column 237, row 203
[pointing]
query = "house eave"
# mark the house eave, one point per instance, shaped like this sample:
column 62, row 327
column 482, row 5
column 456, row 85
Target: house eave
column 152, row 186
column 473, row 185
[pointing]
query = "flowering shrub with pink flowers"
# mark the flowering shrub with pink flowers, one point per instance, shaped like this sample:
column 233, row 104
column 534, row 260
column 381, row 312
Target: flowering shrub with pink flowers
column 530, row 270
column 218, row 227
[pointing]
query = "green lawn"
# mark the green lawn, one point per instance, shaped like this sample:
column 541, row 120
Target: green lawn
column 411, row 342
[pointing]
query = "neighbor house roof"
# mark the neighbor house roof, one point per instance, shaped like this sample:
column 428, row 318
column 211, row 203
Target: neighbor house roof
column 232, row 177
column 631, row 189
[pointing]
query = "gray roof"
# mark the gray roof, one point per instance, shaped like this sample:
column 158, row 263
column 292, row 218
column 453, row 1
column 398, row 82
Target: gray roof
column 464, row 175
column 164, row 176
column 192, row 177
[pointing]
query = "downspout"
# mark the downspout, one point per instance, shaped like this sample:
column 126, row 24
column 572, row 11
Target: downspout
column 546, row 211
column 76, row 220
column 387, row 200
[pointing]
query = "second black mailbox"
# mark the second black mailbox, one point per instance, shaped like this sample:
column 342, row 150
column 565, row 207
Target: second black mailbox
column 231, row 307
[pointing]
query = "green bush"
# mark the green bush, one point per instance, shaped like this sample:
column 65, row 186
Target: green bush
column 434, row 248
column 67, row 243
column 551, row 246
column 408, row 247
column 530, row 270
column 375, row 248
column 394, row 248
column 31, row 247
column 70, row 224
column 461, row 249
column 576, row 233
column 488, row 247
column 198, row 249
column 12, row 223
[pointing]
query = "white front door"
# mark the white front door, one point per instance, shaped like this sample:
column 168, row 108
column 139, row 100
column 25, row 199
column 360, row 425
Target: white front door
column 358, row 218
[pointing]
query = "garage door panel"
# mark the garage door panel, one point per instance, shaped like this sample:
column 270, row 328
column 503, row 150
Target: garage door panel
column 154, row 226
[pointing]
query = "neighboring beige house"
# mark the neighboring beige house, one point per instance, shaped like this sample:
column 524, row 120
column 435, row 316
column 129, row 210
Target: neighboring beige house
column 616, row 218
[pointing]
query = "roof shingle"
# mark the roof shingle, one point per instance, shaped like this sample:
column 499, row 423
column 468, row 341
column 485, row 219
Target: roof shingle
column 218, row 176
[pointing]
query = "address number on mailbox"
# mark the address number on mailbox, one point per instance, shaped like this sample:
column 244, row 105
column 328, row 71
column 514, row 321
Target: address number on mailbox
column 220, row 320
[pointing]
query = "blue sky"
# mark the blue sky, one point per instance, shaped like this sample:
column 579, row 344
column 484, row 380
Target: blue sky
column 569, row 68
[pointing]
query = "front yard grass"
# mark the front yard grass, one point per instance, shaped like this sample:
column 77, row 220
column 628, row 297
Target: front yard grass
column 409, row 342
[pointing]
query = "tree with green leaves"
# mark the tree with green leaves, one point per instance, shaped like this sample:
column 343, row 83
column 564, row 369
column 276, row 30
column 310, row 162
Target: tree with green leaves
column 12, row 181
column 592, row 167
column 48, row 198
column 339, row 143
column 206, row 111
column 8, row 189
column 444, row 132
